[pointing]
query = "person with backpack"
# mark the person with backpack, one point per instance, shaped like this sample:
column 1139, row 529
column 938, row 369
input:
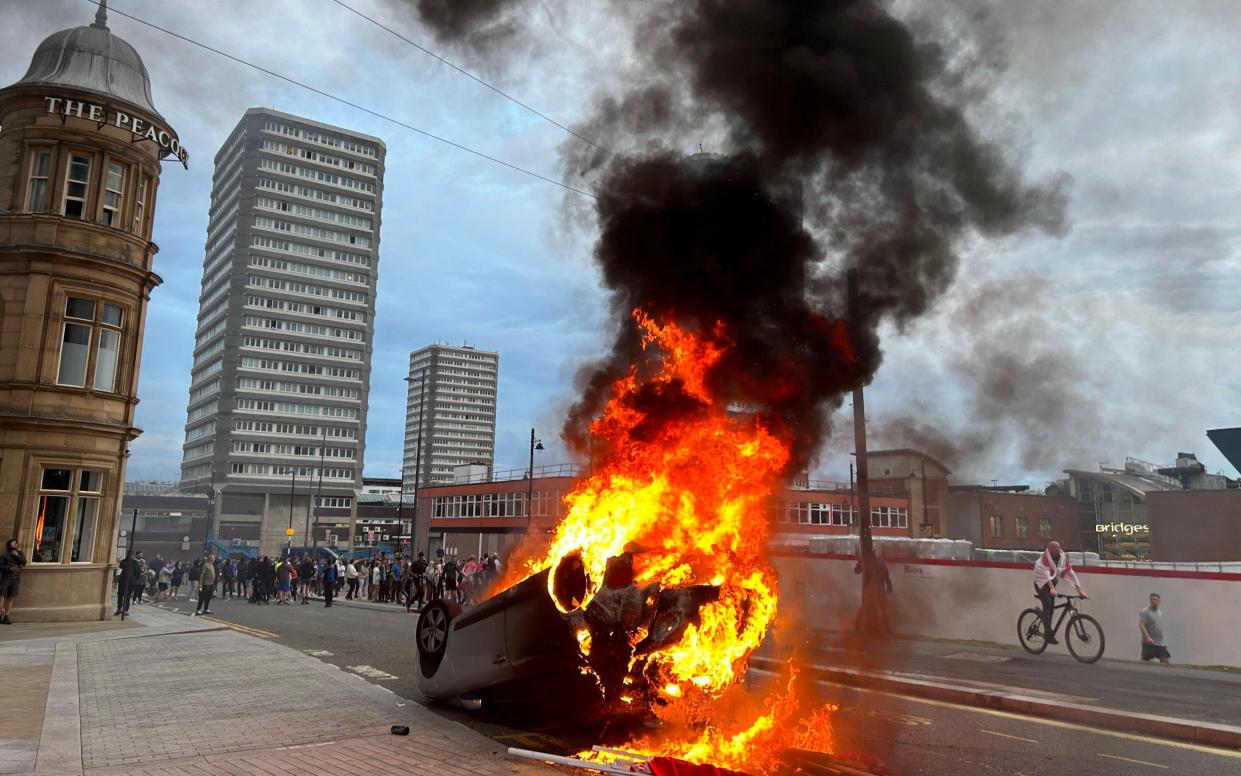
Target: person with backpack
column 284, row 581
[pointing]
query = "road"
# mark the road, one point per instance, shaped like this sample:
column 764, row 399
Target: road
column 915, row 737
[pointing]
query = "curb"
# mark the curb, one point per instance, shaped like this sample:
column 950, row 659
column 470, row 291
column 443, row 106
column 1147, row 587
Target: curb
column 1206, row 733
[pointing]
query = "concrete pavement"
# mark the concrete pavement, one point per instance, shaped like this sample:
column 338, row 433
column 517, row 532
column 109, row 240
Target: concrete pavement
column 175, row 695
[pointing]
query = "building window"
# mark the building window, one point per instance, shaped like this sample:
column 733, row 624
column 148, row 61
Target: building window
column 140, row 205
column 87, row 322
column 36, row 193
column 889, row 517
column 1023, row 527
column 114, row 183
column 61, row 489
column 997, row 526
column 77, row 184
column 83, row 550
column 1044, row 527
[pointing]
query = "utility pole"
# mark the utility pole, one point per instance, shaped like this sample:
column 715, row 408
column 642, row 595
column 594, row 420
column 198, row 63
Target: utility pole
column 535, row 444
column 872, row 619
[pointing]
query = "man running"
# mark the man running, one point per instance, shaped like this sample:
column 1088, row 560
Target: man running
column 1052, row 566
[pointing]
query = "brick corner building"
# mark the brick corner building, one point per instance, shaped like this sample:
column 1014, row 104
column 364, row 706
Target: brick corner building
column 80, row 149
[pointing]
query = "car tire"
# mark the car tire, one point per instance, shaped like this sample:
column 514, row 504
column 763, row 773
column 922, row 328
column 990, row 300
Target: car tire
column 431, row 634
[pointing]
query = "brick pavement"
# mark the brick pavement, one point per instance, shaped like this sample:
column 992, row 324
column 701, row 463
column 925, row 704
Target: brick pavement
column 221, row 702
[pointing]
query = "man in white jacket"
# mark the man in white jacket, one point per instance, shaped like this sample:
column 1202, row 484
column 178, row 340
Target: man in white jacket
column 1051, row 567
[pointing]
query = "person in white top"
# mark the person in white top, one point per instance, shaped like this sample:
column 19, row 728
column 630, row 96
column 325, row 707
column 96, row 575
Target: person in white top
column 1051, row 567
column 351, row 579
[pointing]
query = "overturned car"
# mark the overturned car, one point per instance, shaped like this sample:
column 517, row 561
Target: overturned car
column 522, row 646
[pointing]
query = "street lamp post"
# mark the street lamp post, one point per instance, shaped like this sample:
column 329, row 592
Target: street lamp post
column 210, row 508
column 535, row 444
column 422, row 413
column 318, row 496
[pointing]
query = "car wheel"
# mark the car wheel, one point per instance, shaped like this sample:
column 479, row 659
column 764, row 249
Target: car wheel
column 431, row 635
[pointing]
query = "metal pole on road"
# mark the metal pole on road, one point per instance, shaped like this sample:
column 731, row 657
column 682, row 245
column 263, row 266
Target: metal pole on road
column 871, row 617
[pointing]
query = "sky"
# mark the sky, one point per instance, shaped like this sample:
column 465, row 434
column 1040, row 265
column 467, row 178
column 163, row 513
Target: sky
column 1119, row 338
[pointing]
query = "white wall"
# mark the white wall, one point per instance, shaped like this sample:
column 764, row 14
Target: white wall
column 963, row 600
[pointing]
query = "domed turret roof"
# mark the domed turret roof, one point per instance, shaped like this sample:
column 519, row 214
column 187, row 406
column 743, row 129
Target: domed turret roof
column 92, row 59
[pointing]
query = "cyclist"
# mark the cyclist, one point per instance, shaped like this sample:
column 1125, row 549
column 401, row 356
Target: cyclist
column 1051, row 567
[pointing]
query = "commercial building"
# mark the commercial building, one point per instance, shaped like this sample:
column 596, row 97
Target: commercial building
column 1011, row 518
column 276, row 419
column 484, row 515
column 922, row 478
column 450, row 412
column 169, row 526
column 80, row 150
column 152, row 488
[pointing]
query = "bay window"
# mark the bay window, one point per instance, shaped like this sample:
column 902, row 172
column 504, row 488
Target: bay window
column 90, row 325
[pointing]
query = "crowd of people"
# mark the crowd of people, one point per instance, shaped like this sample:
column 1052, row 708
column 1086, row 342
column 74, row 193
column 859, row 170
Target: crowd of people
column 287, row 580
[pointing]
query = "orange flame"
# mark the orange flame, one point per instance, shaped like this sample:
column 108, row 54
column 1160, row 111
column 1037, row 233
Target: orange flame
column 754, row 746
column 692, row 495
column 688, row 493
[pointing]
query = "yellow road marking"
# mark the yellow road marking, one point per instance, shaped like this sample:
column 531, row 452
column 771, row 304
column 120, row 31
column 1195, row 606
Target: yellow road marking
column 243, row 628
column 1131, row 760
column 1234, row 753
column 1006, row 735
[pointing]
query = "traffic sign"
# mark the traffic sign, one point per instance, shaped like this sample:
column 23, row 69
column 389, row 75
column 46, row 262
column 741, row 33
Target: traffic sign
column 289, row 532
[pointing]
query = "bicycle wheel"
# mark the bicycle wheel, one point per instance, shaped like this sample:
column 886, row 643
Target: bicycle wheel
column 1084, row 637
column 1030, row 631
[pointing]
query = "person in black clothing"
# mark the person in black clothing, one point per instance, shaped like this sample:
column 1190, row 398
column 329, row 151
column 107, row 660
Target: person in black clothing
column 228, row 577
column 418, row 579
column 305, row 573
column 131, row 574
column 265, row 580
column 11, row 563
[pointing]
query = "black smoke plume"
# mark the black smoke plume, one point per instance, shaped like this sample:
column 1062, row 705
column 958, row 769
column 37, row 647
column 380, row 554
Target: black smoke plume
column 843, row 144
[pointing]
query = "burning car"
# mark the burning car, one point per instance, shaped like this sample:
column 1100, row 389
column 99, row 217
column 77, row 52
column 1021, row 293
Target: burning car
column 521, row 644
column 501, row 648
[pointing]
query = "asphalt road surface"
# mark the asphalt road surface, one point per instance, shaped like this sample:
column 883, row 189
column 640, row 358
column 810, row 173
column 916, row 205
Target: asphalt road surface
column 912, row 736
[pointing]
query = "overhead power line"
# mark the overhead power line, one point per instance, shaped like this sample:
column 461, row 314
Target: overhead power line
column 343, row 101
column 475, row 78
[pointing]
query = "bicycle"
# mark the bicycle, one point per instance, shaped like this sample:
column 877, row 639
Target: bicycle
column 1082, row 634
